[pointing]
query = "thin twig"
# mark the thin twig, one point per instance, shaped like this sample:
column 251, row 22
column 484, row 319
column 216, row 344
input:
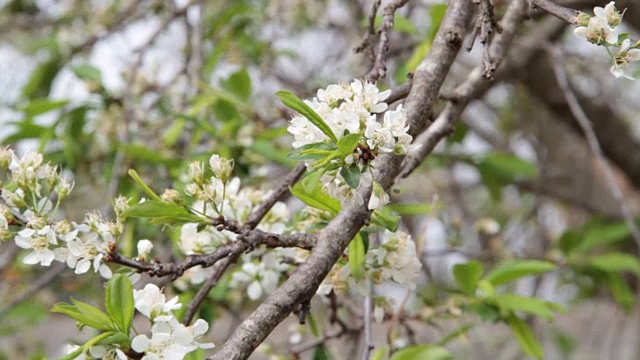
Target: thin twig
column 211, row 282
column 592, row 140
column 379, row 68
column 561, row 12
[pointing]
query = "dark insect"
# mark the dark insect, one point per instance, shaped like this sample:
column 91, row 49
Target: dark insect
column 364, row 154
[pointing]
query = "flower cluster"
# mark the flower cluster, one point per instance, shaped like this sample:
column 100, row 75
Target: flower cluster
column 169, row 338
column 221, row 195
column 352, row 109
column 394, row 260
column 602, row 29
column 31, row 199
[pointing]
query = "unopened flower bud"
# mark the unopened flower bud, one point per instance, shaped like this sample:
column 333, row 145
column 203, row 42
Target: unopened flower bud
column 172, row 196
column 221, row 167
column 120, row 205
column 144, row 249
column 196, row 172
column 6, row 155
column 582, row 19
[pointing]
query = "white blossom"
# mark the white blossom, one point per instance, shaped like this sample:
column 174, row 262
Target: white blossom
column 39, row 241
column 261, row 279
column 152, row 303
column 144, row 248
column 626, row 55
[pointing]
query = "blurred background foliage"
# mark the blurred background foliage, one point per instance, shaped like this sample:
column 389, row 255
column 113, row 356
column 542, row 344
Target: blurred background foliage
column 513, row 203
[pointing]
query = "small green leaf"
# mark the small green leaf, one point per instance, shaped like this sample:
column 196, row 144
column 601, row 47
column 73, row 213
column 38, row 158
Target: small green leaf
column 602, row 234
column 414, row 208
column 525, row 336
column 40, row 106
column 293, row 102
column 616, row 262
column 513, row 302
column 620, row 290
column 423, row 352
column 322, row 353
column 514, row 269
column 85, row 314
column 386, row 218
column 312, row 180
column 161, row 212
column 88, row 72
column 459, row 332
column 356, row 256
column 239, row 84
column 134, row 175
column 119, row 301
column 317, row 198
column 351, row 175
column 347, row 144
column 100, row 320
column 313, row 151
column 467, row 276
column 380, row 354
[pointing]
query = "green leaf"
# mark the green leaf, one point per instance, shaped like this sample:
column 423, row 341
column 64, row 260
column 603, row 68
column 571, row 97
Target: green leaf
column 602, row 234
column 239, row 84
column 616, row 262
column 322, row 353
column 386, row 218
column 116, row 338
column 507, row 165
column 620, row 290
column 414, row 208
column 423, row 352
column 514, row 269
column 293, row 102
column 380, row 354
column 119, row 301
column 40, row 106
column 88, row 72
column 351, row 175
column 525, row 336
column 134, row 175
column 313, row 325
column 39, row 83
column 313, row 151
column 161, row 212
column 467, row 276
column 312, row 180
column 84, row 314
column 513, row 302
column 267, row 150
column 357, row 255
column 144, row 153
column 462, row 330
column 317, row 198
column 347, row 144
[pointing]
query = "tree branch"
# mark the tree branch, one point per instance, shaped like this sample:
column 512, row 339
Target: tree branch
column 334, row 238
column 464, row 93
